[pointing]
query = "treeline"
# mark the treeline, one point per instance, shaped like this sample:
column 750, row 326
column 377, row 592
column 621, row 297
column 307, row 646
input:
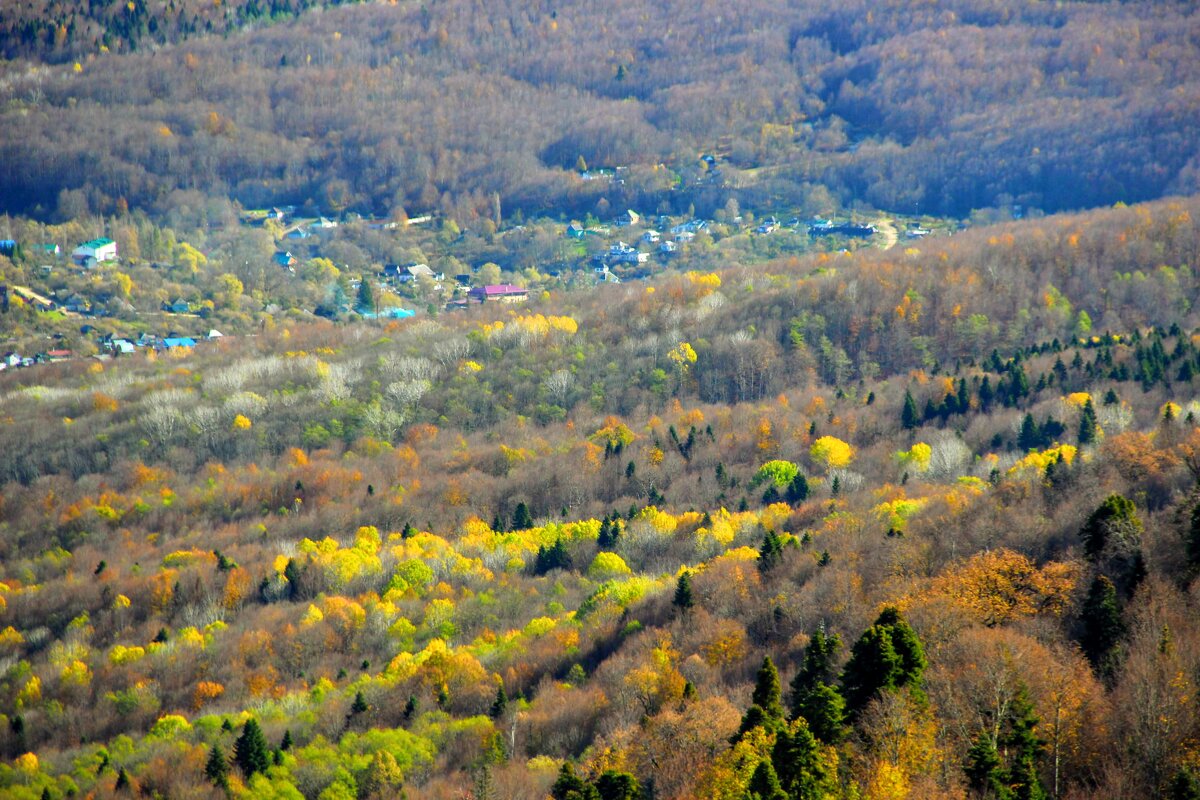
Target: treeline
column 451, row 108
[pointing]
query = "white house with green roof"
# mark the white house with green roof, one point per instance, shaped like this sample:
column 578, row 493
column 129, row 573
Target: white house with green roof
column 95, row 251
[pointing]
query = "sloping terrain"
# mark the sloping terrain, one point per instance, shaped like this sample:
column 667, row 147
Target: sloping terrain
column 448, row 106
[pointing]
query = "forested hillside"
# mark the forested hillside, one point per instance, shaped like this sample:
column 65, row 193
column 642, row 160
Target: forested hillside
column 459, row 107
column 909, row 523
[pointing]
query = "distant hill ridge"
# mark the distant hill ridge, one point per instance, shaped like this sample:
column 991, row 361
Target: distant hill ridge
column 453, row 106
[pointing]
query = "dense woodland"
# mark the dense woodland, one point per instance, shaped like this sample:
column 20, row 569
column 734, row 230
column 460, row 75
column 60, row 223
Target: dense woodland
column 466, row 108
column 798, row 516
column 909, row 523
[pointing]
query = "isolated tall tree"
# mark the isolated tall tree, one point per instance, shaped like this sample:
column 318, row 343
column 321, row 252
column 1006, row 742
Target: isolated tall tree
column 613, row 785
column 683, row 592
column 984, row 770
column 797, row 489
column 500, row 704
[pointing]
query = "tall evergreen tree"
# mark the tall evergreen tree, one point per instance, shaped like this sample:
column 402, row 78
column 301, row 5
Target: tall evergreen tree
column 985, row 773
column 771, row 552
column 366, row 296
column 1193, row 538
column 250, row 751
column 767, row 691
column 1087, row 424
column 824, row 709
column 1029, row 437
column 570, row 786
column 1115, row 522
column 1184, row 786
column 887, row 656
column 813, row 695
column 796, row 757
column 500, row 704
column 216, row 769
column 910, row 418
column 522, row 519
column 683, row 592
column 797, row 489
column 1102, row 625
column 764, row 783
column 1022, row 744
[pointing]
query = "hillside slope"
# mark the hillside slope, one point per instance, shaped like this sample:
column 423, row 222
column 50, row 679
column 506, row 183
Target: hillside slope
column 550, row 548
column 452, row 106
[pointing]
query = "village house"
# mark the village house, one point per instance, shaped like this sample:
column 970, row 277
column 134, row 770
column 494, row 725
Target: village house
column 89, row 254
column 504, row 293
column 622, row 253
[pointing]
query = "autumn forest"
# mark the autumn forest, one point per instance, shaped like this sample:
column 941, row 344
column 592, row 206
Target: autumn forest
column 869, row 470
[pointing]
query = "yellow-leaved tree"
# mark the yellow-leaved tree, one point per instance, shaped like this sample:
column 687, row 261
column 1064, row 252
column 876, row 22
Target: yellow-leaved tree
column 831, row 452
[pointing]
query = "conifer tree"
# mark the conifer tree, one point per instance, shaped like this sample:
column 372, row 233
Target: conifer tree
column 985, row 773
column 770, row 553
column 366, row 296
column 887, row 656
column 1087, row 424
column 1115, row 521
column 764, row 784
column 1022, row 746
column 683, row 592
column 796, row 757
column 1193, row 537
column 500, row 704
column 909, row 416
column 250, row 751
column 813, row 696
column 570, row 786
column 1102, row 625
column 1029, row 437
column 767, row 692
column 522, row 519
column 613, row 785
column 797, row 489
column 216, row 769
